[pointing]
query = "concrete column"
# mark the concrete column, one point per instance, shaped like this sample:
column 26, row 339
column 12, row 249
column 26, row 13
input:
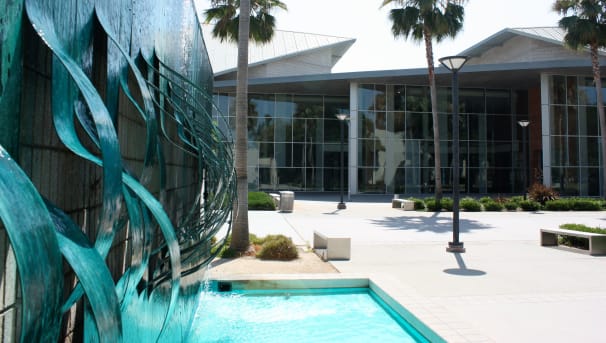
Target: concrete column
column 545, row 124
column 353, row 140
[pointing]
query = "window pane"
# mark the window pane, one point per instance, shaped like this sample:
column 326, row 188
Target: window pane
column 308, row 106
column 498, row 128
column 283, row 130
column 557, row 90
column 572, row 120
column 261, row 129
column 471, row 101
column 261, row 105
column 334, row 105
column 498, row 102
column 418, row 99
column 419, row 126
column 588, row 121
column 366, row 124
column 571, row 90
column 285, row 106
column 558, row 120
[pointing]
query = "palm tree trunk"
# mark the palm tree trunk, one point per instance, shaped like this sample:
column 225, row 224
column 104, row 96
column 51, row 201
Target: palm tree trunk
column 597, row 79
column 434, row 115
column 239, row 238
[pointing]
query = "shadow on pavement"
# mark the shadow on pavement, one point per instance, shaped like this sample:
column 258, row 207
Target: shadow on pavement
column 423, row 223
column 463, row 270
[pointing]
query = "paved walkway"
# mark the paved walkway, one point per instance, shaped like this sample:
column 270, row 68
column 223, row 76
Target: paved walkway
column 505, row 288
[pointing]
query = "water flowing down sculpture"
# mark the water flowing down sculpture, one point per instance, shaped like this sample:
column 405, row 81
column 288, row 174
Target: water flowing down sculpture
column 130, row 102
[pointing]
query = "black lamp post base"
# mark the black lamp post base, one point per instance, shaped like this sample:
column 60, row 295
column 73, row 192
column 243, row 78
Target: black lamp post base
column 341, row 206
column 455, row 247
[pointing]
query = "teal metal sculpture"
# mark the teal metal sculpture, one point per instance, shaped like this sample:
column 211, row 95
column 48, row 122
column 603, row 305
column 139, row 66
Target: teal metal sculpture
column 153, row 58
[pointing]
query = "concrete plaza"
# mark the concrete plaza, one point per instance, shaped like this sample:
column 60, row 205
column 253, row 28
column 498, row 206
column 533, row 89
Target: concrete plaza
column 504, row 288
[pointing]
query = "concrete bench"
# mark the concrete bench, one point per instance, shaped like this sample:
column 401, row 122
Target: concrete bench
column 332, row 247
column 597, row 242
column 406, row 205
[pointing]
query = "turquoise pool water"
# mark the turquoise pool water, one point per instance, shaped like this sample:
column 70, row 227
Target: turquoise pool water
column 326, row 315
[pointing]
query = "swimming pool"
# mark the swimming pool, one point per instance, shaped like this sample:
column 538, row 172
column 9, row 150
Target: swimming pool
column 299, row 315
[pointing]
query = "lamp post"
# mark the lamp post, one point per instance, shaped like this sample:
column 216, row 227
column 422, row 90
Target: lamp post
column 342, row 118
column 454, row 64
column 524, row 125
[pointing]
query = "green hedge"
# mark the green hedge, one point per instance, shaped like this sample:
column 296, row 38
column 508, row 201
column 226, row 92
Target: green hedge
column 493, row 206
column 575, row 204
column 418, row 204
column 445, row 204
column 470, row 205
column 260, row 201
column 558, row 205
column 583, row 228
column 530, row 205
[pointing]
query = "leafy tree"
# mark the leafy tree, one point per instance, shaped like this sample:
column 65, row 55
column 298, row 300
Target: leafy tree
column 426, row 20
column 586, row 28
column 241, row 21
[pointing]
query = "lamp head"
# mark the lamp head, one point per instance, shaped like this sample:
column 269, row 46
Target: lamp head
column 453, row 63
column 342, row 116
column 523, row 123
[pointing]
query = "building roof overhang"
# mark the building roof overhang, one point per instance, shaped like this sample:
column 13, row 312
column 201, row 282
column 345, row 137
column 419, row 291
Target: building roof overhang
column 524, row 75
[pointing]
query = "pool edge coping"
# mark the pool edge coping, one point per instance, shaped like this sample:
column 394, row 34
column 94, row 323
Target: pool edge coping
column 303, row 281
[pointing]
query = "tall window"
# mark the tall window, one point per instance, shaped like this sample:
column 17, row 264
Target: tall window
column 395, row 145
column 574, row 135
column 293, row 140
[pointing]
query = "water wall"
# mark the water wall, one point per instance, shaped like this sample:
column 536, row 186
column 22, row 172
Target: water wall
column 114, row 179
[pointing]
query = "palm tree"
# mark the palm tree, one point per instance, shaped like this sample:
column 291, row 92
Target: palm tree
column 586, row 28
column 241, row 20
column 424, row 20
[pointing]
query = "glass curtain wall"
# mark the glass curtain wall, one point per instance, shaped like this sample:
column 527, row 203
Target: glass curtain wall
column 574, row 133
column 396, row 149
column 293, row 140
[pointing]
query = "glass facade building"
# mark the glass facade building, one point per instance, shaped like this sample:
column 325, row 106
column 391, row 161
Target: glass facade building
column 396, row 139
column 293, row 140
column 528, row 114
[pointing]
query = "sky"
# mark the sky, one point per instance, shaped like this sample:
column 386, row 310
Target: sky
column 376, row 48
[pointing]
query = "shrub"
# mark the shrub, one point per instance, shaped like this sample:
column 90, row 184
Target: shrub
column 278, row 247
column 511, row 205
column 419, row 204
column 517, row 198
column 260, row 201
column 226, row 251
column 577, row 204
column 494, row 206
column 530, row 205
column 541, row 193
column 446, row 204
column 484, row 200
column 470, row 205
column 558, row 205
column 430, row 204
